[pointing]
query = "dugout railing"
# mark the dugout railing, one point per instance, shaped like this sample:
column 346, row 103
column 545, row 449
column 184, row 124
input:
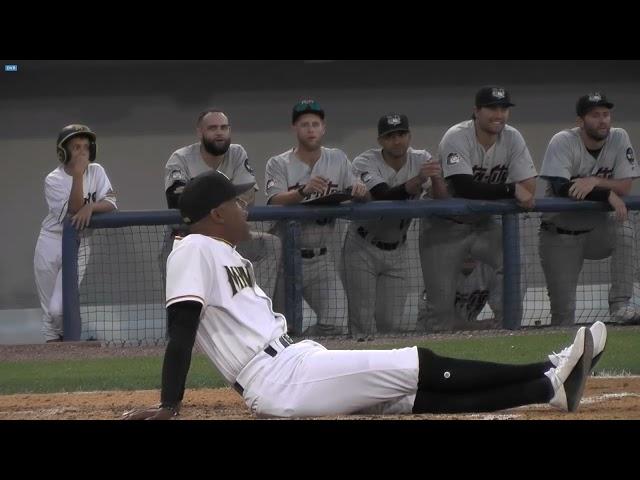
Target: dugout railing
column 507, row 209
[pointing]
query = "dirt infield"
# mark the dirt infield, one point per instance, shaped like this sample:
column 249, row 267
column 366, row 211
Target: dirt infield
column 605, row 398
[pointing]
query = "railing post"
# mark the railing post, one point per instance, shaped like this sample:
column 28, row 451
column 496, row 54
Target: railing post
column 71, row 323
column 512, row 304
column 293, row 277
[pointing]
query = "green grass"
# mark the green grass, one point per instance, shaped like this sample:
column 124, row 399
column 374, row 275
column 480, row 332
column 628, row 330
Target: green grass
column 141, row 373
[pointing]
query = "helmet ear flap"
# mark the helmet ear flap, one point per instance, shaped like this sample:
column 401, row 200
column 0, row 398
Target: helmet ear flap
column 62, row 154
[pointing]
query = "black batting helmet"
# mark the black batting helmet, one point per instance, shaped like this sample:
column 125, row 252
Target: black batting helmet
column 69, row 132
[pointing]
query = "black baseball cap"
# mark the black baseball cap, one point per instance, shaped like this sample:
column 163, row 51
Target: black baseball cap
column 393, row 122
column 205, row 192
column 493, row 95
column 588, row 102
column 306, row 106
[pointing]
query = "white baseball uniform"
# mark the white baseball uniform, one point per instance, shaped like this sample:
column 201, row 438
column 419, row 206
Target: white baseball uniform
column 375, row 254
column 263, row 249
column 567, row 238
column 243, row 337
column 47, row 261
column 321, row 284
column 446, row 242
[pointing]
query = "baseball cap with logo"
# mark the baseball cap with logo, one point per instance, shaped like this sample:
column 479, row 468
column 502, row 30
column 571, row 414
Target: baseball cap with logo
column 306, row 106
column 588, row 102
column 205, row 192
column 493, row 95
column 393, row 122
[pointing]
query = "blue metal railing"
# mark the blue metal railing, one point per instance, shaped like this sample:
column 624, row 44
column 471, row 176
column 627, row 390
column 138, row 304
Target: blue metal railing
column 292, row 264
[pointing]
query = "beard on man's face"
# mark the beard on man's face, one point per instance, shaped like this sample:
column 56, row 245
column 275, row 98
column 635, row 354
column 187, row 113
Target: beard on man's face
column 216, row 147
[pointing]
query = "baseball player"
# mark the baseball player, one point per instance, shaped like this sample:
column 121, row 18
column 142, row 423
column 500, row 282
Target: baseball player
column 375, row 254
column 213, row 298
column 476, row 286
column 592, row 161
column 214, row 150
column 78, row 187
column 307, row 171
column 481, row 158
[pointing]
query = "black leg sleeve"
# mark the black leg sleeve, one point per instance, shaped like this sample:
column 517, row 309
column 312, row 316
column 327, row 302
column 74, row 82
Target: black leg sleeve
column 508, row 396
column 444, row 374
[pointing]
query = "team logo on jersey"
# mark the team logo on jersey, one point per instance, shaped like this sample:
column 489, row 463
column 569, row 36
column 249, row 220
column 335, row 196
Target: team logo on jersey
column 270, row 184
column 394, row 120
column 239, row 278
column 630, row 156
column 365, row 177
column 247, row 166
column 497, row 93
column 453, row 158
column 177, row 175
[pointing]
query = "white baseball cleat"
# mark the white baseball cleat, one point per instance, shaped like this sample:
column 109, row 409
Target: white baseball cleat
column 599, row 334
column 569, row 377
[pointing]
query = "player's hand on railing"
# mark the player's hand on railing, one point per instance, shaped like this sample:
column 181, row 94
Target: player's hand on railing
column 316, row 185
column 359, row 190
column 618, row 206
column 582, row 187
column 82, row 218
column 153, row 413
column 524, row 197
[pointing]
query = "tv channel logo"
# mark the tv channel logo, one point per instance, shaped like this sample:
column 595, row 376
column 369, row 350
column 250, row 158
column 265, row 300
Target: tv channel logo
column 10, row 68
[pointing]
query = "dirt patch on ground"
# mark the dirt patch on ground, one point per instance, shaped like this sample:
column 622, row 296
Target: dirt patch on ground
column 605, row 398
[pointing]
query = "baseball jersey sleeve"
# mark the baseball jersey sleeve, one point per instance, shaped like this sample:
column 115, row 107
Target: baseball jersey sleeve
column 455, row 155
column 557, row 161
column 57, row 196
column 275, row 178
column 104, row 190
column 189, row 275
column 243, row 172
column 175, row 171
column 625, row 165
column 521, row 166
column 364, row 169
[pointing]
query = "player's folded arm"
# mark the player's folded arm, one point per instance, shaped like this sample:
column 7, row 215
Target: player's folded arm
column 465, row 186
column 183, row 321
column 560, row 187
column 382, row 191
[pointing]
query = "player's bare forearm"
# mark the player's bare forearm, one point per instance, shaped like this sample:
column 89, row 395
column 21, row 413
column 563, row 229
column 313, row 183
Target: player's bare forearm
column 413, row 186
column 439, row 188
column 76, row 197
column 529, row 184
column 286, row 198
column 102, row 206
column 621, row 187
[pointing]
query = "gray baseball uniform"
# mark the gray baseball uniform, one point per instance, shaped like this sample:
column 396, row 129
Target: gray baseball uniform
column 446, row 241
column 566, row 238
column 264, row 249
column 473, row 292
column 321, row 284
column 375, row 255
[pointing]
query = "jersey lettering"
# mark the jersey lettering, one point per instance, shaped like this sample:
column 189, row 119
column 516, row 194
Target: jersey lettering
column 497, row 175
column 239, row 278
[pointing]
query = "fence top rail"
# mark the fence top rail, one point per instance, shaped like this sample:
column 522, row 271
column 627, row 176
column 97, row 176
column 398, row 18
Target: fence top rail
column 366, row 211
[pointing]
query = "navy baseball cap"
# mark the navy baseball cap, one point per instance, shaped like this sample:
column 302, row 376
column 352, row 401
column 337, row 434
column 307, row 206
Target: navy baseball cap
column 393, row 122
column 588, row 102
column 205, row 192
column 306, row 106
column 493, row 95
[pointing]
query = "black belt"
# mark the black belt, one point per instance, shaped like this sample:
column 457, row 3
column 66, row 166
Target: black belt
column 311, row 252
column 285, row 341
column 550, row 227
column 382, row 245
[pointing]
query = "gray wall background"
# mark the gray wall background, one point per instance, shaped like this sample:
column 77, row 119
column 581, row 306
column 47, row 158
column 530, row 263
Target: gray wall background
column 143, row 110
